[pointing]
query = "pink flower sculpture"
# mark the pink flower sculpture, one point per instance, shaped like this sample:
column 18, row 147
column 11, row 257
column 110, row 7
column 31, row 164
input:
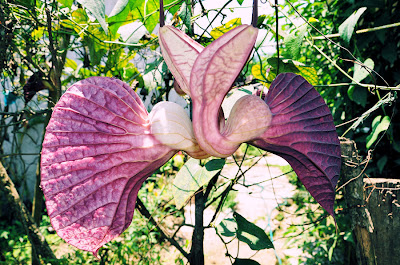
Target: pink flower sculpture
column 101, row 144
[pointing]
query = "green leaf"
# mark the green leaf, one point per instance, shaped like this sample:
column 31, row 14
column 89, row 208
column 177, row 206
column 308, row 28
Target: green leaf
column 66, row 3
column 231, row 24
column 260, row 20
column 245, row 262
column 71, row 63
column 118, row 7
column 192, row 177
column 132, row 32
column 347, row 28
column 98, row 10
column 293, row 42
column 378, row 126
column 240, row 2
column 185, row 14
column 358, row 95
column 227, row 227
column 309, row 73
column 259, row 73
column 251, row 234
column 361, row 72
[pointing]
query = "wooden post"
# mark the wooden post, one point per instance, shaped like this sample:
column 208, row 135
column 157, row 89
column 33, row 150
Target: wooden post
column 373, row 208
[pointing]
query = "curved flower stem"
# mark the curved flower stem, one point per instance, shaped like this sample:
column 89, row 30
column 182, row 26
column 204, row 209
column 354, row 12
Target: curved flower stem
column 277, row 35
column 255, row 14
column 162, row 18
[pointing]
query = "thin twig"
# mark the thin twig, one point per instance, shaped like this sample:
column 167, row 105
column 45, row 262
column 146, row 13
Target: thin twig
column 143, row 210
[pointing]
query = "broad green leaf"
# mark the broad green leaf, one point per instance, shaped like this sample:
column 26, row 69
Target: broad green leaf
column 185, row 14
column 118, row 7
column 309, row 73
column 71, row 63
column 148, row 11
column 251, row 234
column 378, row 125
column 67, row 3
column 293, row 42
column 98, row 10
column 132, row 32
column 347, row 28
column 192, row 177
column 361, row 72
column 245, row 262
column 118, row 20
column 358, row 94
column 259, row 73
column 227, row 227
column 219, row 31
column 240, row 2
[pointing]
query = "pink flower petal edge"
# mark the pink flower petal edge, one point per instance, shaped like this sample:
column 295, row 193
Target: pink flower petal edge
column 96, row 154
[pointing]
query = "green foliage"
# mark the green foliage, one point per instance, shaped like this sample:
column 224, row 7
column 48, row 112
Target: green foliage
column 346, row 29
column 219, row 31
column 192, row 177
column 251, row 234
column 379, row 125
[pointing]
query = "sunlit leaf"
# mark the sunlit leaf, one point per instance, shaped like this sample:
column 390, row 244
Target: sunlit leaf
column 293, row 41
column 219, row 31
column 118, row 7
column 346, row 29
column 67, row 3
column 360, row 72
column 98, row 10
column 309, row 73
column 192, row 176
column 379, row 125
column 251, row 234
column 71, row 63
column 185, row 14
column 259, row 73
column 227, row 227
column 132, row 32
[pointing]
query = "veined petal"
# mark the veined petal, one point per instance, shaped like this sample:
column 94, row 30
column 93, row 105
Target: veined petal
column 212, row 76
column 97, row 152
column 302, row 132
column 179, row 52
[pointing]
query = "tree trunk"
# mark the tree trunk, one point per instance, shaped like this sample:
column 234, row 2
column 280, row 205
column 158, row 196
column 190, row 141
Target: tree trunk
column 197, row 249
column 373, row 208
column 35, row 237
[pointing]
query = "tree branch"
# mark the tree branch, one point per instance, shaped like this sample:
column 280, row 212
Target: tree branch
column 35, row 237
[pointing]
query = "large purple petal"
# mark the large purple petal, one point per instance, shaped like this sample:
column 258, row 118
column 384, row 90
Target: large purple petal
column 302, row 132
column 96, row 154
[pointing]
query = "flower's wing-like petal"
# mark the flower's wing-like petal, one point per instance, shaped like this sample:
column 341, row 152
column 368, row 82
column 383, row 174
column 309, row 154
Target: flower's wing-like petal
column 302, row 132
column 97, row 152
column 212, row 76
column 179, row 52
